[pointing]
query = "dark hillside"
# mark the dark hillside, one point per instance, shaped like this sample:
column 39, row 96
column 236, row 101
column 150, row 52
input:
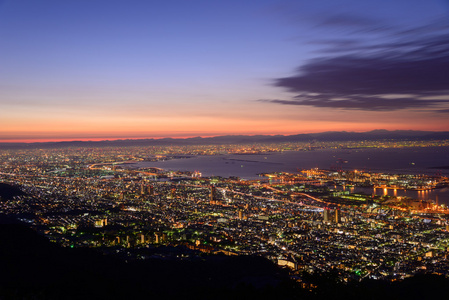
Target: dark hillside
column 7, row 192
column 34, row 268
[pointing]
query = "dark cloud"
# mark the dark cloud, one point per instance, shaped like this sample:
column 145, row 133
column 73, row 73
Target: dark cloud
column 361, row 75
column 355, row 24
column 435, row 28
column 370, row 75
column 369, row 104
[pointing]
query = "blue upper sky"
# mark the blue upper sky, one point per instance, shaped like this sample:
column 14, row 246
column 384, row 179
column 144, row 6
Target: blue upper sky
column 180, row 68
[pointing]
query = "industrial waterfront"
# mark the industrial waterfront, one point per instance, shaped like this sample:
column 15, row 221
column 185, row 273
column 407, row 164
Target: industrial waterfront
column 120, row 200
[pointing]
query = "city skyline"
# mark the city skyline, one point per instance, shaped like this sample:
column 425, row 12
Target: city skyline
column 96, row 70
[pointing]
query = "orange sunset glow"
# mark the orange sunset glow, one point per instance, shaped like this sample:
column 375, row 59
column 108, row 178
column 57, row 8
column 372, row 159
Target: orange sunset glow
column 263, row 73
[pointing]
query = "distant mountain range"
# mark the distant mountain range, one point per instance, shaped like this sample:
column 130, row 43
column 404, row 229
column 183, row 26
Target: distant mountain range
column 379, row 134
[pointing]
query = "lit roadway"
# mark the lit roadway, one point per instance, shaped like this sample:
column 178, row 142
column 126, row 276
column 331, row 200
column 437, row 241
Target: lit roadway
column 258, row 197
column 92, row 166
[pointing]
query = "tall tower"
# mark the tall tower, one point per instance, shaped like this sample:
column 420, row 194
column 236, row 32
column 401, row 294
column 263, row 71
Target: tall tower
column 326, row 215
column 212, row 194
column 337, row 215
column 143, row 190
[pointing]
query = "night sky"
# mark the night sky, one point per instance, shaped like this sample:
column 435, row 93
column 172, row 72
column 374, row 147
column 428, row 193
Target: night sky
column 106, row 69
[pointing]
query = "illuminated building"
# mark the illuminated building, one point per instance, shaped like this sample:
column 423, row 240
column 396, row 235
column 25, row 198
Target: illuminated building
column 212, row 195
column 326, row 215
column 337, row 216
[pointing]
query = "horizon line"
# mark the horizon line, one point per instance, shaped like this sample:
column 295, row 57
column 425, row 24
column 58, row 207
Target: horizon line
column 103, row 139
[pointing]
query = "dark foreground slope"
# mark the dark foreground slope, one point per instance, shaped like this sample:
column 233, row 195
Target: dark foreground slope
column 33, row 268
column 7, row 192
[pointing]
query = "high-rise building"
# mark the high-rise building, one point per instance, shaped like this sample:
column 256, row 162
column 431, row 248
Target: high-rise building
column 337, row 216
column 212, row 194
column 326, row 215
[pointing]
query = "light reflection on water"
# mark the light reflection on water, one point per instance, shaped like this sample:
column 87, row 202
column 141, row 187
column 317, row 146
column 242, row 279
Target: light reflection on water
column 430, row 161
column 442, row 194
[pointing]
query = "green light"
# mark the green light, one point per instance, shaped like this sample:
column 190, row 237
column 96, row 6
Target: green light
column 72, row 246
